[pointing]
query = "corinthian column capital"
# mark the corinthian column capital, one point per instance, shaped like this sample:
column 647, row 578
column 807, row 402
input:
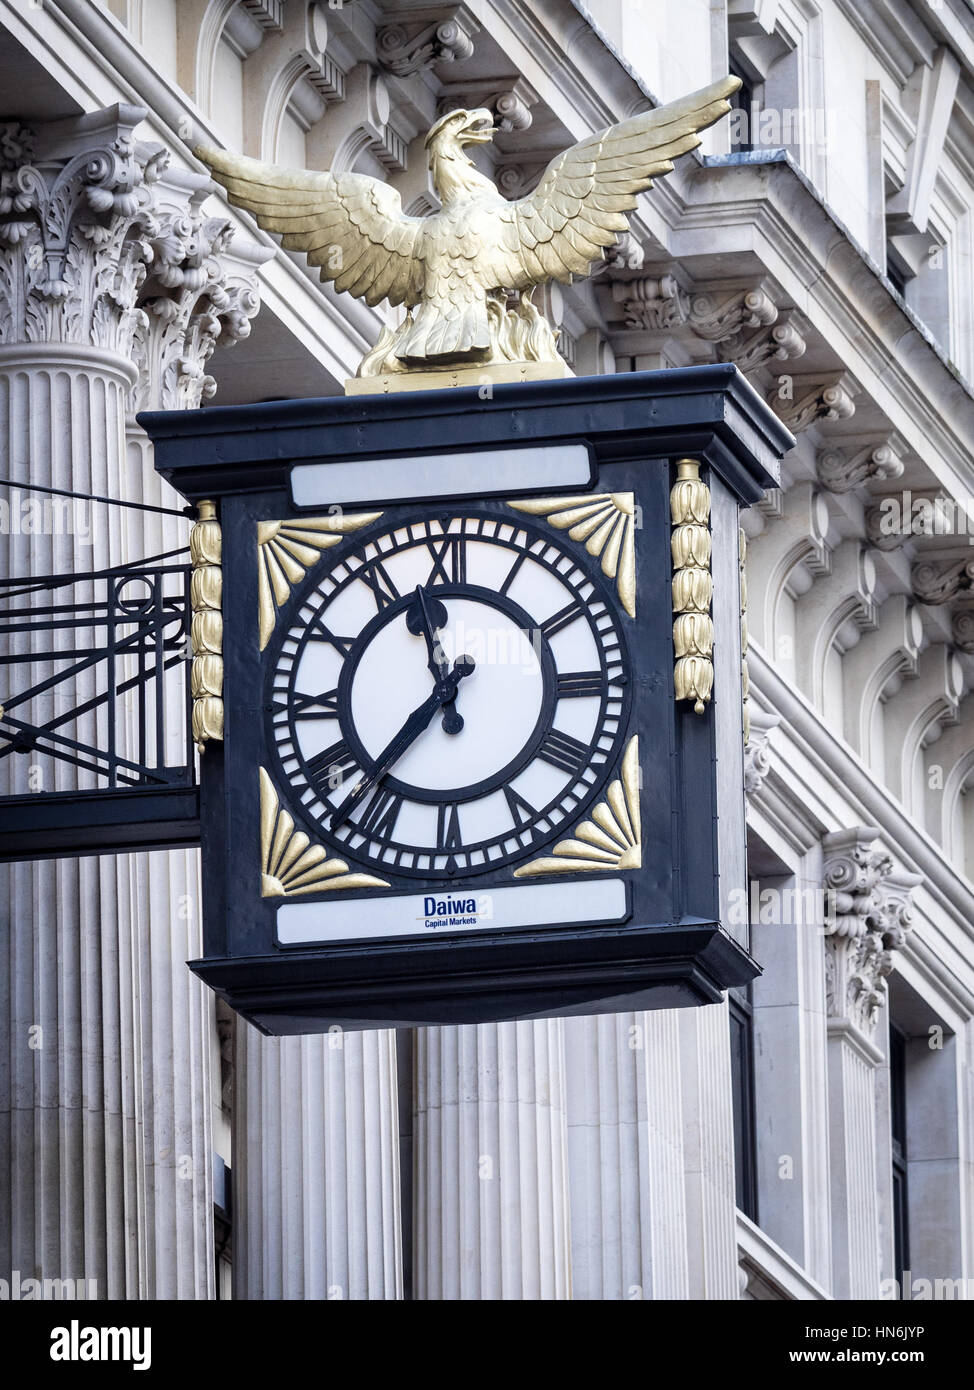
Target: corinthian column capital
column 868, row 915
column 75, row 222
column 102, row 246
column 199, row 293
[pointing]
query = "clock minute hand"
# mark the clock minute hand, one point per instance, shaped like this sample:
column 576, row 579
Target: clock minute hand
column 419, row 720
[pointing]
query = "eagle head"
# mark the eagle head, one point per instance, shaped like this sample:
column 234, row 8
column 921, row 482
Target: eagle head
column 458, row 128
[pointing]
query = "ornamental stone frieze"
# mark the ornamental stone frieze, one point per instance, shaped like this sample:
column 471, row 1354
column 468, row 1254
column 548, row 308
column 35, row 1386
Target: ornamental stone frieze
column 842, row 470
column 102, row 246
column 868, row 915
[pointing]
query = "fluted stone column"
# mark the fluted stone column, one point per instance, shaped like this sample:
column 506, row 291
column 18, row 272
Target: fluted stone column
column 491, row 1217
column 316, row 1166
column 868, row 915
column 105, row 1123
column 626, row 1156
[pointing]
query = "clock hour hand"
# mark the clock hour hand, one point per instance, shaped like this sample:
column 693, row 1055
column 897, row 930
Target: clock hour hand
column 427, row 615
column 443, row 692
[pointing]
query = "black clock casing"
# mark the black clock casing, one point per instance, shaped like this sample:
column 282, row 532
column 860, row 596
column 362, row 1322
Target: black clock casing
column 662, row 942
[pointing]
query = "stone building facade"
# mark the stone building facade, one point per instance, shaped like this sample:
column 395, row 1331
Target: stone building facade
column 814, row 1136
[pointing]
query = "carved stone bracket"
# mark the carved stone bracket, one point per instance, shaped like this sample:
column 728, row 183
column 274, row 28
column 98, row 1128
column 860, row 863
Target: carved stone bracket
column 757, row 754
column 404, row 49
column 723, row 317
column 938, row 581
column 841, row 470
column 743, row 323
column 962, row 629
column 776, row 342
column 800, row 401
column 868, row 915
column 652, row 304
column 510, row 102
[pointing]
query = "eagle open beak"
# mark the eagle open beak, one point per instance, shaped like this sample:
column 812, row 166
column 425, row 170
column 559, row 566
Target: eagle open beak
column 479, row 129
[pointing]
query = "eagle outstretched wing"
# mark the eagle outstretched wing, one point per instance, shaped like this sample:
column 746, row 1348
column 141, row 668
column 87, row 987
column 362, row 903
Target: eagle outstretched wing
column 352, row 226
column 579, row 206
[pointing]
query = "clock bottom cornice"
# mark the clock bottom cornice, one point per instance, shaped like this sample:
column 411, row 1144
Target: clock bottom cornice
column 569, row 972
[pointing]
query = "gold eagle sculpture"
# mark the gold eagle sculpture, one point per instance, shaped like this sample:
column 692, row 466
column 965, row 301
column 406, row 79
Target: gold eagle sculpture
column 466, row 273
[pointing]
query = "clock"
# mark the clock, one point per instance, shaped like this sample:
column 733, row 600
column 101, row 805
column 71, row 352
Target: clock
column 448, row 693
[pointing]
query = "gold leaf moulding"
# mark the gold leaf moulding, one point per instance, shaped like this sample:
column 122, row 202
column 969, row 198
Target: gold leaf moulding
column 290, row 862
column 692, row 585
column 286, row 550
column 206, row 628
column 611, row 840
column 605, row 522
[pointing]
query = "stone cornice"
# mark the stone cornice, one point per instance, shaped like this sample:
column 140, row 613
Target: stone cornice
column 846, row 299
column 851, row 782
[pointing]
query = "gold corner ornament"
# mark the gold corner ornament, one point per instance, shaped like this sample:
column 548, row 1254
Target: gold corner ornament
column 693, row 628
column 465, row 273
column 605, row 521
column 290, row 863
column 206, row 632
column 745, row 675
column 286, row 550
column 611, row 840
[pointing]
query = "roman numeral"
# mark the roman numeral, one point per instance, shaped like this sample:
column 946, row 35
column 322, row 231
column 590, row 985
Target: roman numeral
column 579, row 684
column 379, row 818
column 565, row 752
column 332, row 767
column 512, row 573
column 449, row 560
column 522, row 812
column 448, row 827
column 562, row 618
column 324, row 706
column 378, row 579
column 320, row 632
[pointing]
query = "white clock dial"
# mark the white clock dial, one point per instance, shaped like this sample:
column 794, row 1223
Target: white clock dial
column 543, row 711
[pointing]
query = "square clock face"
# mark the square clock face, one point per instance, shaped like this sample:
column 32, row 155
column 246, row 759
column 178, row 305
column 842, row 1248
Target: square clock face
column 447, row 697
